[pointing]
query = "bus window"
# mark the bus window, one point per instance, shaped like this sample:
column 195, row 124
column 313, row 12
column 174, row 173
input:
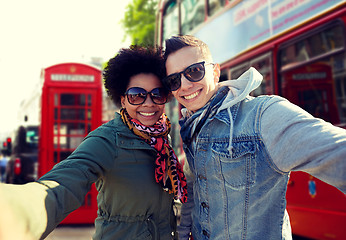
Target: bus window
column 314, row 101
column 214, row 6
column 340, row 85
column 170, row 20
column 313, row 73
column 263, row 64
column 192, row 14
column 326, row 41
column 224, row 75
column 239, row 69
column 319, row 44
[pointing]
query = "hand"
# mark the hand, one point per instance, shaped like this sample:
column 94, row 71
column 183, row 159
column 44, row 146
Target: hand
column 10, row 227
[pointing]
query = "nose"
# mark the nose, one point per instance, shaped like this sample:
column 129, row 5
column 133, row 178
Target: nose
column 148, row 101
column 185, row 83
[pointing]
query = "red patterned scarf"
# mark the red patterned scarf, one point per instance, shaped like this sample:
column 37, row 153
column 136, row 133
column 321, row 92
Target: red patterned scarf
column 168, row 171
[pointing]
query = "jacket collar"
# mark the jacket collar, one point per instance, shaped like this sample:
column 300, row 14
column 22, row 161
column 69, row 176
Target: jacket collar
column 124, row 138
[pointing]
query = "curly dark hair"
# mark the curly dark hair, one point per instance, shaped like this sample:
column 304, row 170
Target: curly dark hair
column 129, row 62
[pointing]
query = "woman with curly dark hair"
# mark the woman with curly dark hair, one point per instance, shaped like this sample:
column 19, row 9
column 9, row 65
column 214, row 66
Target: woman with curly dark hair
column 135, row 170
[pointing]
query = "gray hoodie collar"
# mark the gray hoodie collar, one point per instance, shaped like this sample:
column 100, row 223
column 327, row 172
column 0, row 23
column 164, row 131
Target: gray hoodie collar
column 239, row 89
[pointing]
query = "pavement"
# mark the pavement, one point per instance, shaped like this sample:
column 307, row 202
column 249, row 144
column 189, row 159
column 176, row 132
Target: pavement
column 72, row 232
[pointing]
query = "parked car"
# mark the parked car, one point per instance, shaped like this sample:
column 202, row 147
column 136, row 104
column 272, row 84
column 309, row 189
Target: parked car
column 22, row 166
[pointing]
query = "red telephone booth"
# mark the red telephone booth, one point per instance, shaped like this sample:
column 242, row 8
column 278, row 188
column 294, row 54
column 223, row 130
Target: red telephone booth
column 71, row 107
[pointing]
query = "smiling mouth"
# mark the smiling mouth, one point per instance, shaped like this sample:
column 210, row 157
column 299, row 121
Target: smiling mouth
column 191, row 96
column 147, row 114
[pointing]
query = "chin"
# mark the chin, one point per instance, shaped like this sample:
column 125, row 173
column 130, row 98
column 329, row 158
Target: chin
column 148, row 122
column 195, row 107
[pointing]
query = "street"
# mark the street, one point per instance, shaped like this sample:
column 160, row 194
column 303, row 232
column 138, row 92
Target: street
column 72, row 232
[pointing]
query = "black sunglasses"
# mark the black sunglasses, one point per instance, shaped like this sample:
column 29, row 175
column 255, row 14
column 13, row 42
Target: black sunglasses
column 137, row 95
column 193, row 73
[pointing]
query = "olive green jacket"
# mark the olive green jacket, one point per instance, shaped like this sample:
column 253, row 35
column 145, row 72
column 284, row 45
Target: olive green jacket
column 131, row 205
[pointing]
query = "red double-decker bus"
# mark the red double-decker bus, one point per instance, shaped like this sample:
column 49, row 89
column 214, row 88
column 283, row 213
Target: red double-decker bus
column 299, row 48
column 64, row 108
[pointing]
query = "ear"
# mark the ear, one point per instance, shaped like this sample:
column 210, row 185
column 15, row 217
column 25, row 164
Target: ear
column 217, row 72
column 122, row 99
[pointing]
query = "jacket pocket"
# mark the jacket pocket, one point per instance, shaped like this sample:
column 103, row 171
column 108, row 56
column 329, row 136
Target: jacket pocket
column 237, row 169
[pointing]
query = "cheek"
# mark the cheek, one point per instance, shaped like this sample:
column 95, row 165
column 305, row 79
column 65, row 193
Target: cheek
column 131, row 111
column 175, row 93
column 161, row 109
column 211, row 81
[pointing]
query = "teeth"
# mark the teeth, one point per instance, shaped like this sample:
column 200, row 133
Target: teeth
column 147, row 114
column 191, row 96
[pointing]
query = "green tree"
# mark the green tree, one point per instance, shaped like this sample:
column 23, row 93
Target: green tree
column 139, row 21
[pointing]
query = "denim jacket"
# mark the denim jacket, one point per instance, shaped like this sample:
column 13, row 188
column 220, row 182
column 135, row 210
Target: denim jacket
column 239, row 177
